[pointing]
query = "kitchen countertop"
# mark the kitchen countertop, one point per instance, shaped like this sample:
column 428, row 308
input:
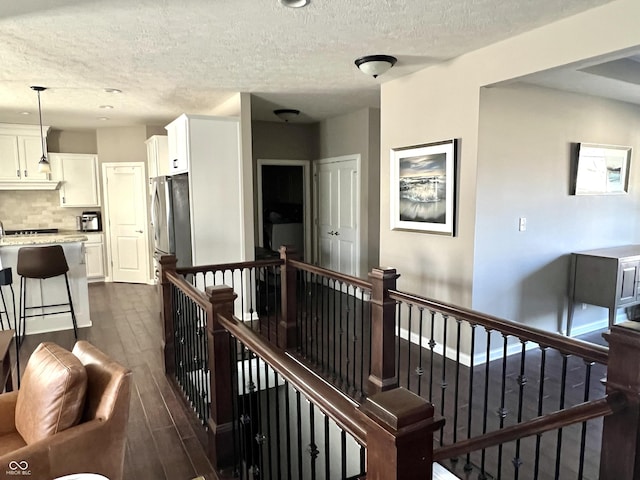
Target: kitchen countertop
column 63, row 236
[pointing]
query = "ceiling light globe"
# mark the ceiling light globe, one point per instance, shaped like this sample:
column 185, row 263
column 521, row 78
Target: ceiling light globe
column 295, row 3
column 375, row 65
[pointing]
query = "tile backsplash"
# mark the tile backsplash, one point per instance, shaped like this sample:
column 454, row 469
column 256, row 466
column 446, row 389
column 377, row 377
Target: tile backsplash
column 35, row 209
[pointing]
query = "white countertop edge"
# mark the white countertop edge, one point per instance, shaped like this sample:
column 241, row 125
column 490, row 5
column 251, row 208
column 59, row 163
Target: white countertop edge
column 41, row 239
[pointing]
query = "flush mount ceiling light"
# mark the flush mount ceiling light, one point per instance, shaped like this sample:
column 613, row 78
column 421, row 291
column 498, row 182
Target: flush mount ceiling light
column 43, row 164
column 286, row 114
column 111, row 90
column 375, row 65
column 106, row 107
column 295, row 3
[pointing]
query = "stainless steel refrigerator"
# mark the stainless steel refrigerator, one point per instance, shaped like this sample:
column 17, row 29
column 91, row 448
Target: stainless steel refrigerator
column 170, row 217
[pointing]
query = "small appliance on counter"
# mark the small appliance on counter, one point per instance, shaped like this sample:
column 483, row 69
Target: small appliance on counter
column 90, row 222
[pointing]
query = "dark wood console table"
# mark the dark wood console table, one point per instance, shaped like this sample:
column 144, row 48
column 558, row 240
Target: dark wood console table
column 6, row 337
column 607, row 277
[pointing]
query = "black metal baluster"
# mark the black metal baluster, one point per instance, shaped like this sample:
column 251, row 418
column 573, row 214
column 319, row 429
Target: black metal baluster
column 485, row 407
column 255, row 421
column 327, row 450
column 398, row 327
column 362, row 342
column 468, row 466
column 583, row 435
column 419, row 368
column 502, row 412
column 456, row 394
column 287, row 412
column 245, row 419
column 318, row 325
column 233, row 349
column 299, row 416
column 432, row 345
column 340, row 378
column 543, row 361
column 327, row 327
column 363, row 460
column 313, row 448
column 522, row 381
column 259, row 436
column 335, row 334
column 268, row 417
column 343, row 453
column 443, row 382
column 251, row 288
column 355, row 340
column 563, row 384
column 410, row 307
column 349, row 357
column 277, row 422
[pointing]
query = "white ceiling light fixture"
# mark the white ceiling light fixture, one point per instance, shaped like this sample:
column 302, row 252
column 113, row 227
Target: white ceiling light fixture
column 43, row 164
column 106, row 107
column 375, row 65
column 112, row 90
column 286, row 114
column 295, row 3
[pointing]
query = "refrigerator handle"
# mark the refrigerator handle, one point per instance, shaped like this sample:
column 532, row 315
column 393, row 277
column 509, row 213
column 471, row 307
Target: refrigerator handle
column 154, row 212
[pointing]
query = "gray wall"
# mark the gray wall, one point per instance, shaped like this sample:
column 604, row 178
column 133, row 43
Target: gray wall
column 72, row 141
column 524, row 164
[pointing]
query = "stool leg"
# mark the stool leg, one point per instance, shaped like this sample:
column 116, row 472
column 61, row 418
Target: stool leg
column 4, row 305
column 15, row 321
column 20, row 322
column 73, row 314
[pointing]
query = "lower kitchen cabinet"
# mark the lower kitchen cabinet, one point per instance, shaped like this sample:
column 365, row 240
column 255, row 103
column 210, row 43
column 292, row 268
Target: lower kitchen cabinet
column 94, row 256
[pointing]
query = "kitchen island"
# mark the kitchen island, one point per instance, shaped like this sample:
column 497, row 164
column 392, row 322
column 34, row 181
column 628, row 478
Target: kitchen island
column 52, row 290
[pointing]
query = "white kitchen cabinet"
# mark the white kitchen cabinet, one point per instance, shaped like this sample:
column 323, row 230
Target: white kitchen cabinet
column 158, row 156
column 94, row 256
column 178, row 145
column 20, row 153
column 78, row 173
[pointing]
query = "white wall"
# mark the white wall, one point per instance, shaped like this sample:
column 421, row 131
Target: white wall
column 442, row 102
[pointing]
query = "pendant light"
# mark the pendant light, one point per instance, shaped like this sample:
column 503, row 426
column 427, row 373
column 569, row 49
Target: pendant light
column 43, row 164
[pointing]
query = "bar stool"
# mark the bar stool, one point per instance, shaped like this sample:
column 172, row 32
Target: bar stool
column 42, row 263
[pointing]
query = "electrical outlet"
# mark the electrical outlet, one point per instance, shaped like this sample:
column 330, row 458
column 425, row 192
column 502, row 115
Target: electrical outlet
column 522, row 225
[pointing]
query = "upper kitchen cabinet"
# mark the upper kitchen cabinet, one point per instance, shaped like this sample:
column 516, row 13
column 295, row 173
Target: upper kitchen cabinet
column 78, row 173
column 20, row 152
column 178, row 144
column 157, row 156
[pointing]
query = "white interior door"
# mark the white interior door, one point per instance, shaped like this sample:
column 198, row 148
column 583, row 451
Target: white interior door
column 337, row 214
column 125, row 208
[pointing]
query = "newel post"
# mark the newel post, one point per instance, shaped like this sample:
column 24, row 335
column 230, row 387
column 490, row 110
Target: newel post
column 287, row 327
column 167, row 264
column 400, row 446
column 220, row 422
column 383, row 324
column 620, row 451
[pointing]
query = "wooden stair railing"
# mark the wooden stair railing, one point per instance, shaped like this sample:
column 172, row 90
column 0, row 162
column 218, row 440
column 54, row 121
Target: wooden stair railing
column 620, row 450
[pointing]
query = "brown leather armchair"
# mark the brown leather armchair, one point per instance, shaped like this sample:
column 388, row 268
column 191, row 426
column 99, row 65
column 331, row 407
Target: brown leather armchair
column 69, row 416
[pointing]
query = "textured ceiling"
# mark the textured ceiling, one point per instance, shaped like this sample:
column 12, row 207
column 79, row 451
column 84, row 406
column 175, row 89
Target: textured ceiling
column 171, row 57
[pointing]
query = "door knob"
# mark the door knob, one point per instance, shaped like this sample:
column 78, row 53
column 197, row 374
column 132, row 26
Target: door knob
column 139, row 231
column 336, row 233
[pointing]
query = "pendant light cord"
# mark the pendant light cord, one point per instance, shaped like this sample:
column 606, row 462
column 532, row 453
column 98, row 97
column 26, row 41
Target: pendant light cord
column 41, row 134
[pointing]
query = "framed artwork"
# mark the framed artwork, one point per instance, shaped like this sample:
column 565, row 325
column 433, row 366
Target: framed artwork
column 423, row 188
column 601, row 169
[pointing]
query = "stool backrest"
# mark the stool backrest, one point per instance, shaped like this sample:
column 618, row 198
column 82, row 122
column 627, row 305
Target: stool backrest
column 42, row 262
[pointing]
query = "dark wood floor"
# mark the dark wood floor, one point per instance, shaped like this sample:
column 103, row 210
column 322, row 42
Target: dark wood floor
column 162, row 442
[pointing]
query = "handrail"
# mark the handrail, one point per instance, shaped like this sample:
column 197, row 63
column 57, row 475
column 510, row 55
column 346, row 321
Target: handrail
column 337, row 406
column 230, row 266
column 358, row 282
column 611, row 403
column 189, row 290
column 572, row 346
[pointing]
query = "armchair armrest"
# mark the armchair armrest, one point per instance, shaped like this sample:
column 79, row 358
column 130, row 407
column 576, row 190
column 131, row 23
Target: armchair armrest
column 8, row 412
column 77, row 449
